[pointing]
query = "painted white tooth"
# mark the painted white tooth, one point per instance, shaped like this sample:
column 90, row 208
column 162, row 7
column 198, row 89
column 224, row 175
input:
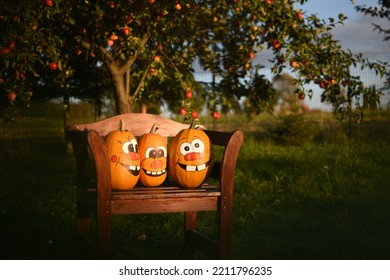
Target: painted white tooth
column 138, row 167
column 132, row 167
column 191, row 168
column 164, row 171
column 201, row 167
column 159, row 172
column 148, row 172
column 154, row 173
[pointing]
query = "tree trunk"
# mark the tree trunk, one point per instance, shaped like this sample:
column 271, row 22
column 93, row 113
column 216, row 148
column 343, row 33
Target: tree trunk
column 124, row 101
column 144, row 108
column 98, row 108
column 122, row 79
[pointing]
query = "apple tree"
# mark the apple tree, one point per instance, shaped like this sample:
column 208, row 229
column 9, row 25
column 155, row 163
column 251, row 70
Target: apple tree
column 149, row 46
column 382, row 11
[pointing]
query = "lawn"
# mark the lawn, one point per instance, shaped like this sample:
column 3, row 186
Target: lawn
column 326, row 196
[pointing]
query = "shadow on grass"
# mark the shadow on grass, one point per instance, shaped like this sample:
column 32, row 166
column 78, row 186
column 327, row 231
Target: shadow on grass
column 36, row 200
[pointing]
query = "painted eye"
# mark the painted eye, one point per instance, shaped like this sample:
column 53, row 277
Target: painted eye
column 186, row 148
column 156, row 153
column 162, row 152
column 198, row 146
column 135, row 145
column 127, row 147
column 130, row 146
column 150, row 153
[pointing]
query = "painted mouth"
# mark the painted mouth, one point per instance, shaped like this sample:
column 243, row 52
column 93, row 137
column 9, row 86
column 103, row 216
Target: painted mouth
column 133, row 169
column 154, row 173
column 194, row 168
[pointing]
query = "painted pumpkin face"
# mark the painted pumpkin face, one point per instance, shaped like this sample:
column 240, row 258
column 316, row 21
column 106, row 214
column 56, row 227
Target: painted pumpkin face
column 124, row 159
column 153, row 155
column 190, row 157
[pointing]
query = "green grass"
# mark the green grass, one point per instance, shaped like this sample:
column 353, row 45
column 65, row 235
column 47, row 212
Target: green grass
column 313, row 201
column 326, row 198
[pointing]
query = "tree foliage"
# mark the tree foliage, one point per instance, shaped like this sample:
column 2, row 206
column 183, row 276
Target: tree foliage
column 382, row 10
column 149, row 46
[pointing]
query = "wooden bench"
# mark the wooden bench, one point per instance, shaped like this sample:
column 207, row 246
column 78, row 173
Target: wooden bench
column 95, row 196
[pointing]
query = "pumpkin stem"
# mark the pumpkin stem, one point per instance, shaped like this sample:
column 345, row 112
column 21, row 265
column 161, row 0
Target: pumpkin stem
column 121, row 125
column 154, row 128
column 193, row 123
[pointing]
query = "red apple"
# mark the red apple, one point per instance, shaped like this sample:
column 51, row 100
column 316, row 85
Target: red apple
column 110, row 42
column 194, row 115
column 251, row 55
column 156, row 58
column 299, row 15
column 5, row 50
column 182, row 111
column 12, row 44
column 344, row 83
column 11, row 96
column 301, row 95
column 53, row 66
column 126, row 30
column 293, row 64
column 153, row 71
column 188, row 93
column 324, row 84
column 276, row 44
column 216, row 115
column 151, row 1
column 49, row 3
column 114, row 37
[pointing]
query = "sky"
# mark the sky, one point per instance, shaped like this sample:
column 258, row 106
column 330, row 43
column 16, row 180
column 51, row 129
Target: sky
column 357, row 32
column 356, row 35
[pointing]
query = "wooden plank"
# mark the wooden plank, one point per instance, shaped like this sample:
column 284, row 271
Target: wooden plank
column 154, row 195
column 164, row 205
column 136, row 123
column 164, row 192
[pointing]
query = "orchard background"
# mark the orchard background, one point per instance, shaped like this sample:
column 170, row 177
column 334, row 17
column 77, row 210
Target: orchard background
column 312, row 177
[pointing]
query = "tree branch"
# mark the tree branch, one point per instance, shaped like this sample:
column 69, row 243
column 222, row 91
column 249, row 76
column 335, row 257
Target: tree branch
column 108, row 60
column 141, row 82
column 132, row 59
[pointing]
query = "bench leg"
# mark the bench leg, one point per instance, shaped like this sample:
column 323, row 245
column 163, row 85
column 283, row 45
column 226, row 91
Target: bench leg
column 225, row 228
column 189, row 221
column 83, row 226
column 103, row 232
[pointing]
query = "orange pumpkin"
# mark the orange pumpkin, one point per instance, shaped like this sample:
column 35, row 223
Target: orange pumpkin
column 122, row 149
column 153, row 155
column 190, row 157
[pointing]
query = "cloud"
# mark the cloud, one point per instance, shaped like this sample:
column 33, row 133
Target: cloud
column 358, row 34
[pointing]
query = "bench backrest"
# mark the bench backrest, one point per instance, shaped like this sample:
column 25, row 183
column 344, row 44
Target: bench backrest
column 92, row 161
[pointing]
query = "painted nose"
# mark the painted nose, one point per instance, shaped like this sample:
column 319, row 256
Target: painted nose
column 193, row 156
column 157, row 164
column 132, row 156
